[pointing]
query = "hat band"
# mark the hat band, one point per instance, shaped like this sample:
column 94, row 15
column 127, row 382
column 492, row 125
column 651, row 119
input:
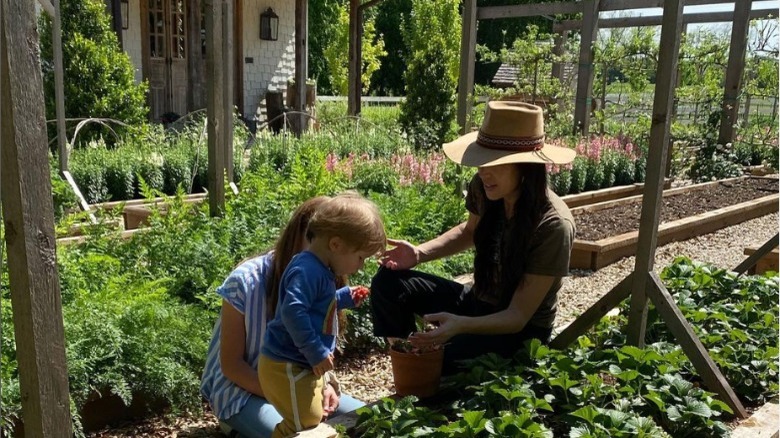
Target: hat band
column 517, row 144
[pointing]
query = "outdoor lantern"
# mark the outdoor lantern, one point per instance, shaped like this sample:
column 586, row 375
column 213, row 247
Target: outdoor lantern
column 124, row 11
column 269, row 25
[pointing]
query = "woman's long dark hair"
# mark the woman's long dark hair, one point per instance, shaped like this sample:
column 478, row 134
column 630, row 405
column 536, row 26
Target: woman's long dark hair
column 498, row 270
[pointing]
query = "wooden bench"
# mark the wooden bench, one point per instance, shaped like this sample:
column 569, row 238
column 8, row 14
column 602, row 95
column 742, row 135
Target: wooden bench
column 769, row 262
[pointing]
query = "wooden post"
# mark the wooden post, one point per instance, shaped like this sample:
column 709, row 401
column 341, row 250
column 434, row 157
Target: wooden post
column 590, row 18
column 301, row 62
column 739, row 34
column 29, row 227
column 656, row 161
column 196, row 79
column 228, row 62
column 59, row 87
column 353, row 93
column 559, row 49
column 215, row 75
column 468, row 51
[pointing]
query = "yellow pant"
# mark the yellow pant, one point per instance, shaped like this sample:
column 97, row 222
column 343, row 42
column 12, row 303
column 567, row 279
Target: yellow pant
column 294, row 391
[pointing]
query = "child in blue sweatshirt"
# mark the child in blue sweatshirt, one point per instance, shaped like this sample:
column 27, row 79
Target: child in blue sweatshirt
column 299, row 341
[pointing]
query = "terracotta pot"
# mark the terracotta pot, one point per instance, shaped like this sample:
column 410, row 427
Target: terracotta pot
column 417, row 373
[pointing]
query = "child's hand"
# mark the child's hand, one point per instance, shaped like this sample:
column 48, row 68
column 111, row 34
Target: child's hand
column 324, row 366
column 359, row 294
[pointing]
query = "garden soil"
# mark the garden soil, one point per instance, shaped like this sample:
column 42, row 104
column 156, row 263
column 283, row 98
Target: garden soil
column 613, row 221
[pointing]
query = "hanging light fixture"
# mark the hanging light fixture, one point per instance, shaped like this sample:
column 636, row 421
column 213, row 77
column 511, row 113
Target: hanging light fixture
column 269, row 25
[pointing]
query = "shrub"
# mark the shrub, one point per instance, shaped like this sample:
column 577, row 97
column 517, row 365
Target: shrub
column 714, row 161
column 432, row 36
column 177, row 170
column 119, row 175
column 561, row 182
column 579, row 174
column 99, row 77
column 89, row 172
column 374, row 176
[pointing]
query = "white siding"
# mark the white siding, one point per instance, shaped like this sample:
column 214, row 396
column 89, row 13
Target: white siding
column 273, row 62
column 131, row 38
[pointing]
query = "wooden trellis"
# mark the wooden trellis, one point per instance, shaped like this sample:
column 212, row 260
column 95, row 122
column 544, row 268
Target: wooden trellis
column 589, row 26
column 643, row 283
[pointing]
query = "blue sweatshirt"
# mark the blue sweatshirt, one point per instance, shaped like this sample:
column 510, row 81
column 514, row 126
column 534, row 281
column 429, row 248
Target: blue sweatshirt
column 305, row 325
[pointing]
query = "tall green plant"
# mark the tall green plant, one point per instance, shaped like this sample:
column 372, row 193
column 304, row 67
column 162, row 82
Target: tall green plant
column 432, row 36
column 99, row 77
column 337, row 53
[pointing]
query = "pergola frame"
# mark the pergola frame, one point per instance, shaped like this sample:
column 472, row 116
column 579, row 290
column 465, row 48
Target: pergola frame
column 642, row 283
column 589, row 26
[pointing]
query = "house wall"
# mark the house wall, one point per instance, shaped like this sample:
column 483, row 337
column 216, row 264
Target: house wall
column 131, row 38
column 272, row 62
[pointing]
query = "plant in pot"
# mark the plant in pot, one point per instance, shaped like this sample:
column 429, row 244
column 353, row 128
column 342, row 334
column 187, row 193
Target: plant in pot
column 416, row 371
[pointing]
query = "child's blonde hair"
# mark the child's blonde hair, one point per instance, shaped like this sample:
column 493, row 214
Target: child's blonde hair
column 352, row 218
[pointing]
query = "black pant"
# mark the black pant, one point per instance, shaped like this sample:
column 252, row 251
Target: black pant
column 397, row 296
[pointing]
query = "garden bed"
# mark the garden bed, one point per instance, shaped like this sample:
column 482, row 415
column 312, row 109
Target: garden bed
column 609, row 230
column 608, row 194
column 137, row 215
column 769, row 262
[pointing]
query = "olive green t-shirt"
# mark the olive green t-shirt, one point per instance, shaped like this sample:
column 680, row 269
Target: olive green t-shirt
column 550, row 247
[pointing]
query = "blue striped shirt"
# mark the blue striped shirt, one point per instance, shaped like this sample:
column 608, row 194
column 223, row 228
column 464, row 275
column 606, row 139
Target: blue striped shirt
column 244, row 289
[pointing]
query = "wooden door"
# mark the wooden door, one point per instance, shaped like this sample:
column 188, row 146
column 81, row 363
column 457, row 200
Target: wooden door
column 167, row 57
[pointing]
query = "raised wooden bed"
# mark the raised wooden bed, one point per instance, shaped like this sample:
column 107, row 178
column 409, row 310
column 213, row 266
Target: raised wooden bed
column 768, row 262
column 595, row 255
column 608, row 194
column 137, row 215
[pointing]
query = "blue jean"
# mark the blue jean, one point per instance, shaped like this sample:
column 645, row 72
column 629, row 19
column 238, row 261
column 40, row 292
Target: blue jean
column 258, row 417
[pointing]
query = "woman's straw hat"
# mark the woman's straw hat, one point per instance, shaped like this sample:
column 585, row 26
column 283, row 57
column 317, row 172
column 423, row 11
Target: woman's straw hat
column 512, row 132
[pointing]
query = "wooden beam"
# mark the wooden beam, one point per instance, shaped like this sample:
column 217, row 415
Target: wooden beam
column 63, row 151
column 698, row 18
column 215, row 78
column 590, row 18
column 354, row 91
column 529, row 10
column 468, row 51
column 590, row 317
column 195, row 73
column 48, row 7
column 691, row 345
column 301, row 63
column 736, row 66
column 656, row 161
column 756, row 256
column 620, row 5
column 228, row 62
column 28, row 215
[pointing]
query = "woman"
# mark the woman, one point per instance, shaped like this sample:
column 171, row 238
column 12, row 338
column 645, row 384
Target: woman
column 522, row 234
column 250, row 295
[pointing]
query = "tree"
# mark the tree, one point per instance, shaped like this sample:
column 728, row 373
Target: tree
column 325, row 13
column 337, row 53
column 99, row 77
column 432, row 37
column 389, row 79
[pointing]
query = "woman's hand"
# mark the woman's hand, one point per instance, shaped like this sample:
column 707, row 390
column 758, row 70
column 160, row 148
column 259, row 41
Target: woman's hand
column 404, row 255
column 324, row 366
column 330, row 401
column 448, row 325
